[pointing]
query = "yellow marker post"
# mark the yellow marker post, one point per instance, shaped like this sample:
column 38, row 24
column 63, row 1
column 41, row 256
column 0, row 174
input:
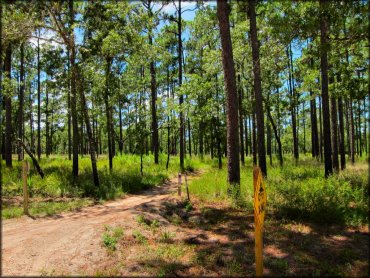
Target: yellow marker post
column 259, row 203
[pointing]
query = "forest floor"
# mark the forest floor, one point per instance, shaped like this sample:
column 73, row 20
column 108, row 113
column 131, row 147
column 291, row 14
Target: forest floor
column 155, row 232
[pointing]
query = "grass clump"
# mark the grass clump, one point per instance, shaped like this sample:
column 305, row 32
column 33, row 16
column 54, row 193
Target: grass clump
column 111, row 236
column 139, row 237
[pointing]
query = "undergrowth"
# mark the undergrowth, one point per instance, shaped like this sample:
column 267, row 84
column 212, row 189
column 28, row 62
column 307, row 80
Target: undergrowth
column 298, row 192
column 58, row 181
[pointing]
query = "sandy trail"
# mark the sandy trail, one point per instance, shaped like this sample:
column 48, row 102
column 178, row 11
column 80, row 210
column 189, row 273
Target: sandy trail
column 69, row 242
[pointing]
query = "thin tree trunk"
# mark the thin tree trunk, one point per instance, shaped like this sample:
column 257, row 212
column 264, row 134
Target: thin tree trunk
column 269, row 153
column 75, row 138
column 92, row 145
column 21, row 103
column 277, row 136
column 233, row 165
column 189, row 135
column 38, row 100
column 257, row 89
column 8, row 109
column 120, row 145
column 341, row 135
column 352, row 131
column 325, row 87
column 107, row 113
column 153, row 87
column 334, row 134
column 69, row 109
column 47, row 126
column 181, row 97
column 241, row 140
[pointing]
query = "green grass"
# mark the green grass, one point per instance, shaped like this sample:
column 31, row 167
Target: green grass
column 111, row 236
column 44, row 208
column 58, row 182
column 297, row 191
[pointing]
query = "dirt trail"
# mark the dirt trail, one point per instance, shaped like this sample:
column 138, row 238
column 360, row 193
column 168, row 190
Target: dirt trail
column 70, row 241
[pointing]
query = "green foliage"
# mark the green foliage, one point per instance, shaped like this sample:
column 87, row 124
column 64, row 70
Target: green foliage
column 139, row 237
column 111, row 236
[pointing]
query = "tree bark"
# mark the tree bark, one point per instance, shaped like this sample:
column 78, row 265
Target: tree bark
column 153, row 87
column 257, row 89
column 280, row 149
column 181, row 97
column 120, row 145
column 352, row 131
column 293, row 106
column 241, row 130
column 21, row 103
column 233, row 166
column 334, row 134
column 325, row 86
column 92, row 145
column 38, row 100
column 8, row 109
column 75, row 138
column 341, row 135
column 107, row 112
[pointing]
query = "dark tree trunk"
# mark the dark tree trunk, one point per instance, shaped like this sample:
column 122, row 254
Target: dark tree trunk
column 38, row 100
column 189, row 135
column 254, row 137
column 341, row 135
column 257, row 89
column 314, row 132
column 321, row 135
column 280, row 150
column 334, row 133
column 233, row 165
column 8, row 109
column 21, row 104
column 181, row 98
column 47, row 125
column 293, row 106
column 120, row 145
column 153, row 87
column 72, row 50
column 241, row 133
column 269, row 152
column 359, row 126
column 92, row 145
column 325, row 86
column 246, row 136
column 32, row 147
column 69, row 110
column 352, row 131
column 107, row 112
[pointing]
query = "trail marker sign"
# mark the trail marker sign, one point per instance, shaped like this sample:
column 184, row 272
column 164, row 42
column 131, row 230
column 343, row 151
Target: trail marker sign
column 259, row 204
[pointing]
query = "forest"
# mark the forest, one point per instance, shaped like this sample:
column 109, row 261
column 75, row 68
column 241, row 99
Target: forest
column 130, row 132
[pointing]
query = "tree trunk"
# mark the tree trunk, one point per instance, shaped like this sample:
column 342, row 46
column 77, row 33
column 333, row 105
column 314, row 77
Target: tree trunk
column 69, row 109
column 334, row 133
column 75, row 138
column 257, row 89
column 189, row 135
column 153, row 87
column 181, row 97
column 21, row 104
column 241, row 130
column 107, row 112
column 314, row 132
column 47, row 126
column 92, row 145
column 8, row 109
column 233, row 166
column 38, row 100
column 325, row 86
column 280, row 150
column 352, row 131
column 293, row 106
column 341, row 135
column 321, row 135
column 120, row 145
